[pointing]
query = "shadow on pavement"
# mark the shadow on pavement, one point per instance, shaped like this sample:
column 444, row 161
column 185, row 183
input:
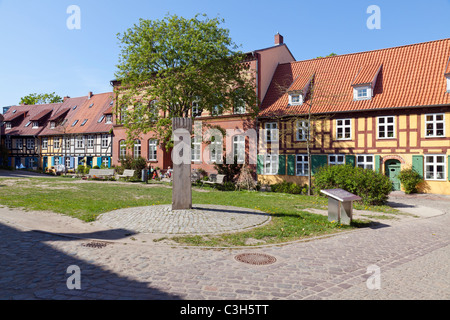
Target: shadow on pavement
column 31, row 269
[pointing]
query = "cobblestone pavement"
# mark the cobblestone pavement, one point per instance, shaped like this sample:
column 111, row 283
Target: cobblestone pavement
column 412, row 258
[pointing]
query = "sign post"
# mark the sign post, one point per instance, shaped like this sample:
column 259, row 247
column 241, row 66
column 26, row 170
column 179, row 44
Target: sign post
column 340, row 205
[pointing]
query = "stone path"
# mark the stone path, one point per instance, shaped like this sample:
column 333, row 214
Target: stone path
column 412, row 258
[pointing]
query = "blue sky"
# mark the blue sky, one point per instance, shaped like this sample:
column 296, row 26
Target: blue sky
column 39, row 54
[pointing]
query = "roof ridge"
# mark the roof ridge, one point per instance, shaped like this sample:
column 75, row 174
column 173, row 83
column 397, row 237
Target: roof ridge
column 367, row 51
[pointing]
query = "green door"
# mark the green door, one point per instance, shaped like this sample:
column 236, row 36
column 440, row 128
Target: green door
column 392, row 169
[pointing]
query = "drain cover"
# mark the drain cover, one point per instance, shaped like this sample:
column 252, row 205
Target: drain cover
column 257, row 259
column 94, row 244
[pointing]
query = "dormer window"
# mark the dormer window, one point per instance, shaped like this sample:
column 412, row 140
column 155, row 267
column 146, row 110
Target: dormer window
column 448, row 83
column 8, row 125
column 295, row 99
column 362, row 93
column 52, row 124
column 109, row 118
column 35, row 124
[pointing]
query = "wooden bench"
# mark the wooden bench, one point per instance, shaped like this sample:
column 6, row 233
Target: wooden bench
column 101, row 173
column 215, row 179
column 126, row 174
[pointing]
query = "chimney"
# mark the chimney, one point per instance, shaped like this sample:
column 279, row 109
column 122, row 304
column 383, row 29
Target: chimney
column 65, row 98
column 278, row 39
column 90, row 94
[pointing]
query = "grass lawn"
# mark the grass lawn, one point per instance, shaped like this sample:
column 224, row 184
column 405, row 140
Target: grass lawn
column 87, row 200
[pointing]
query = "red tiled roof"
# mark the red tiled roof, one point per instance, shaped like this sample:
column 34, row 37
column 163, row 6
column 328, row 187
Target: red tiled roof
column 11, row 116
column 367, row 74
column 41, row 115
column 410, row 76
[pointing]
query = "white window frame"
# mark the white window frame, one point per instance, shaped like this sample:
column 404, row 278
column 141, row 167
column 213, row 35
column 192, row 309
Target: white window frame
column 365, row 163
column 19, row 144
column 196, row 109
column 271, row 132
column 434, row 122
column 8, row 125
column 385, row 124
column 362, row 93
column 271, row 163
column 216, row 150
column 67, row 159
column 44, row 143
column 301, row 130
column 152, row 150
column 105, row 161
column 239, row 148
column 122, row 149
column 301, row 165
column 30, row 143
column 336, row 161
column 108, row 118
column 448, row 83
column 217, row 110
column 239, row 107
column 56, row 143
column 67, row 142
column 295, row 99
column 52, row 125
column 105, row 141
column 35, row 125
column 344, row 126
column 90, row 141
column 197, row 149
column 56, row 161
column 137, row 149
column 434, row 164
column 80, row 142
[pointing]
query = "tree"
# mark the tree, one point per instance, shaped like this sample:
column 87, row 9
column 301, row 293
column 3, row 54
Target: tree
column 42, row 98
column 167, row 65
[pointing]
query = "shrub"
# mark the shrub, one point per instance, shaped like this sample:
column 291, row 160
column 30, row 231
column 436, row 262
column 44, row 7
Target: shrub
column 372, row 187
column 288, row 187
column 410, row 179
column 80, row 169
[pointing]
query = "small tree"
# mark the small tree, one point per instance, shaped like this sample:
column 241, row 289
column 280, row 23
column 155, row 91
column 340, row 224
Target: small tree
column 410, row 179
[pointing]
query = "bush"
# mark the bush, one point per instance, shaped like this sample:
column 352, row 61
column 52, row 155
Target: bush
column 372, row 187
column 80, row 169
column 137, row 165
column 289, row 187
column 410, row 179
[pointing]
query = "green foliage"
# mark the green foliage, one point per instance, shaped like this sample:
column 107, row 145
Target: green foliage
column 289, row 187
column 372, row 187
column 80, row 169
column 172, row 63
column 43, row 98
column 410, row 179
column 130, row 163
column 231, row 171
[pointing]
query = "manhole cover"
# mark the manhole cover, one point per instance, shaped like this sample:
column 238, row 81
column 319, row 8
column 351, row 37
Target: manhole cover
column 258, row 259
column 96, row 245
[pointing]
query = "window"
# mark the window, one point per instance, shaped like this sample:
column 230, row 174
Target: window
column 44, row 143
column 239, row 148
column 344, row 129
column 239, row 107
column 56, row 161
column 435, row 167
column 448, row 84
column 365, row 161
column 52, row 124
column 105, row 141
column 8, row 143
column 105, row 162
column 336, row 159
column 122, row 149
column 28, row 124
column 196, row 110
column 295, row 99
column 152, row 149
column 91, row 105
column 362, row 93
column 434, row 125
column 271, row 132
column 84, row 122
column 74, row 123
column 123, row 113
column 8, row 125
column 109, row 118
column 217, row 110
column 302, row 165
column 67, row 141
column 74, row 107
column 215, row 150
column 56, row 143
column 196, row 151
column 80, row 142
column 30, row 144
column 137, row 149
column 90, row 141
column 33, row 162
column 35, row 124
column 386, row 127
column 19, row 144
column 67, row 162
column 271, row 164
column 302, row 130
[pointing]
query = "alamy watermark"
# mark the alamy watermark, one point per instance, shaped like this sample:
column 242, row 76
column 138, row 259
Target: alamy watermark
column 74, row 281
column 374, row 21
column 73, row 22
column 374, row 281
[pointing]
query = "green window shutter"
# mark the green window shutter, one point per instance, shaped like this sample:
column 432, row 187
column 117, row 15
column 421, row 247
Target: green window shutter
column 260, row 165
column 377, row 163
column 317, row 161
column 281, row 165
column 291, row 165
column 350, row 159
column 417, row 164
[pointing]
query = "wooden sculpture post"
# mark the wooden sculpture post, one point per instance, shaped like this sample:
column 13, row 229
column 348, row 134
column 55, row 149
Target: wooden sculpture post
column 181, row 158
